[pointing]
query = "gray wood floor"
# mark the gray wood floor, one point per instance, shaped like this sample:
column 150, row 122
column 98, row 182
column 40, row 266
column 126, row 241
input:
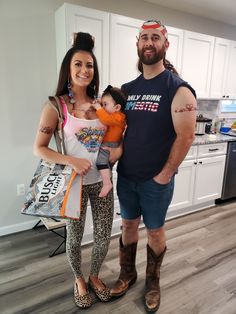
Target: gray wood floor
column 198, row 273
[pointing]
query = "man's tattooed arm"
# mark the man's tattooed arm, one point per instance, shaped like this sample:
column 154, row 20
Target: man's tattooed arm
column 187, row 107
column 45, row 129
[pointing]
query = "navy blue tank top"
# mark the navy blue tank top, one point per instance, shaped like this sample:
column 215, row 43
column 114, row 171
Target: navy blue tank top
column 150, row 132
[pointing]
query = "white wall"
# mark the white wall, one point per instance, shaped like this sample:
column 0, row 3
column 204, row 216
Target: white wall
column 28, row 76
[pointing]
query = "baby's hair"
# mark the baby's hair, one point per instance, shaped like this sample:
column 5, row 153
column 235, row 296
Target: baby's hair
column 117, row 94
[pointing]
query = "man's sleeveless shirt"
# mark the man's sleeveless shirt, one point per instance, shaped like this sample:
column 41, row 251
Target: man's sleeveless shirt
column 150, row 132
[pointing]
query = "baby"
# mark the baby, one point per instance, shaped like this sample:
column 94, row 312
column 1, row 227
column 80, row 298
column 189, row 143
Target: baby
column 110, row 113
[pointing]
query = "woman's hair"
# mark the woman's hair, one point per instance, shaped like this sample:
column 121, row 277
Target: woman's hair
column 167, row 65
column 84, row 42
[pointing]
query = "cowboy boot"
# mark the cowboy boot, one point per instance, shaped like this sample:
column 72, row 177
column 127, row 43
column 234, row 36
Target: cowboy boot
column 128, row 273
column 152, row 296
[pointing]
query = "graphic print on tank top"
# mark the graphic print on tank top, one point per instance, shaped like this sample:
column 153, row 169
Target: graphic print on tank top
column 90, row 137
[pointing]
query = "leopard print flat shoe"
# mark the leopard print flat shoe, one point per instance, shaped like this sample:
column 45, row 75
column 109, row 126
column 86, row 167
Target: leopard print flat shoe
column 103, row 295
column 83, row 301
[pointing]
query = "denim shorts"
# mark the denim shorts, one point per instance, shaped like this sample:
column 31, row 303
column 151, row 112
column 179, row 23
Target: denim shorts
column 148, row 199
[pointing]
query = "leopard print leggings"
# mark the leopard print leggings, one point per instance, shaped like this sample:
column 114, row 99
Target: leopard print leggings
column 102, row 213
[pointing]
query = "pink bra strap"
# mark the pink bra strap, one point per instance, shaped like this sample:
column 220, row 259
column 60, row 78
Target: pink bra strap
column 64, row 109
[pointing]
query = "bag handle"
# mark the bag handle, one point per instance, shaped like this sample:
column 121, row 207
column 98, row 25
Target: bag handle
column 59, row 132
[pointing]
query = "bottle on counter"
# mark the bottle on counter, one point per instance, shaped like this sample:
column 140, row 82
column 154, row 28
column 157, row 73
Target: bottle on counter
column 217, row 125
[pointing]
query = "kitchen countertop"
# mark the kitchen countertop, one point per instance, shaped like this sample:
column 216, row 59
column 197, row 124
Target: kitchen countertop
column 212, row 138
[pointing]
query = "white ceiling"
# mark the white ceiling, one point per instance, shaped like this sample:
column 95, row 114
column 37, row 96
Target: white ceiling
column 219, row 10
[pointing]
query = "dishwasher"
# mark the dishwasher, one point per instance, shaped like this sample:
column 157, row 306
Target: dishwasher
column 229, row 182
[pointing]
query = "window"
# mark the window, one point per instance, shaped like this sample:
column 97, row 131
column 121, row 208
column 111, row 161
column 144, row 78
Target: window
column 228, row 105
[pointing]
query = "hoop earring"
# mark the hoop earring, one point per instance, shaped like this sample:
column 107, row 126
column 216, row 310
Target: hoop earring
column 70, row 92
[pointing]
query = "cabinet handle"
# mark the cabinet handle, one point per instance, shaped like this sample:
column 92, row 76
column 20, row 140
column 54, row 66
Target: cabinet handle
column 200, row 162
column 118, row 214
column 195, row 163
column 213, row 149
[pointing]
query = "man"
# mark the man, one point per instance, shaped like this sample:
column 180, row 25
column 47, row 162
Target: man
column 161, row 114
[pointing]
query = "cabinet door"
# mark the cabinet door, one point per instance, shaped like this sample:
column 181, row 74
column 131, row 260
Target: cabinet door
column 184, row 185
column 219, row 68
column 230, row 88
column 174, row 52
column 71, row 19
column 209, row 179
column 123, row 53
column 197, row 61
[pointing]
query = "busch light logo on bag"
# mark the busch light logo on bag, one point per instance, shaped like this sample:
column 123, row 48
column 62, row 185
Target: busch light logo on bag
column 49, row 187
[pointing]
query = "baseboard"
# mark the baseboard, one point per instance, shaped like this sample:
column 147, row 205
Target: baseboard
column 18, row 227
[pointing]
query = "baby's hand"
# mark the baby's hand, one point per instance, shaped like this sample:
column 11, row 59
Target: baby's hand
column 96, row 104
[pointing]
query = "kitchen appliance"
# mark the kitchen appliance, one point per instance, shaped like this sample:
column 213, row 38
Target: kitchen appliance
column 203, row 125
column 229, row 183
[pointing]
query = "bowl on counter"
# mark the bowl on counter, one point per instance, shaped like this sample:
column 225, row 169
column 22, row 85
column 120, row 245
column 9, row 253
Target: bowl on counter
column 225, row 129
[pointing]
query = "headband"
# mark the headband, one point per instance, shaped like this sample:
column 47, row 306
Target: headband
column 154, row 24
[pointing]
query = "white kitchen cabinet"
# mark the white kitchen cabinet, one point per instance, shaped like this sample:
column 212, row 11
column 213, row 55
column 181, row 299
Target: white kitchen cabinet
column 209, row 150
column 174, row 52
column 230, row 87
column 220, row 67
column 184, row 186
column 223, row 84
column 70, row 19
column 197, row 61
column 123, row 51
column 200, row 177
column 184, row 182
column 208, row 179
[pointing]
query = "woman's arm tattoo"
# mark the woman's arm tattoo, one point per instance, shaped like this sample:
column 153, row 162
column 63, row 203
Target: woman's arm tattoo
column 46, row 129
column 187, row 107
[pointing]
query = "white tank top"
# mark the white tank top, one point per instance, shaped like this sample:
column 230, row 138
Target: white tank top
column 83, row 139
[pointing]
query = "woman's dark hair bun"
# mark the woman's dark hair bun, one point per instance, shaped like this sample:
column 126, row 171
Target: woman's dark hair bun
column 83, row 41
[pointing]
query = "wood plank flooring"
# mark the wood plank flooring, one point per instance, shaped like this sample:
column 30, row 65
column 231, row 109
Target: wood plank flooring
column 198, row 274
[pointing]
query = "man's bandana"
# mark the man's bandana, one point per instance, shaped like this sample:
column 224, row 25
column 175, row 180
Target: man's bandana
column 154, row 24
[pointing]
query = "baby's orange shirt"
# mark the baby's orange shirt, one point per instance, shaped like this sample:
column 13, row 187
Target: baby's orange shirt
column 115, row 123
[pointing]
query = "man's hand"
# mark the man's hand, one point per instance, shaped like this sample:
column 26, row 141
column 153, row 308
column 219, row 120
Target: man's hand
column 161, row 178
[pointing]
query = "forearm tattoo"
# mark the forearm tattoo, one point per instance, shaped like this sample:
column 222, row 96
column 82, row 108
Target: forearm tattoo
column 187, row 107
column 46, row 129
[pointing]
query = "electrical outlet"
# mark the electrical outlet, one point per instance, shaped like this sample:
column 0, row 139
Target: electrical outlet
column 20, row 189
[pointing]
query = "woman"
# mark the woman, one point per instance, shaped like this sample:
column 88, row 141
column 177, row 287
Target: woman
column 79, row 84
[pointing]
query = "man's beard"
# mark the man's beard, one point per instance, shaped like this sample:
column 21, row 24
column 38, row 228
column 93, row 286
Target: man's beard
column 150, row 60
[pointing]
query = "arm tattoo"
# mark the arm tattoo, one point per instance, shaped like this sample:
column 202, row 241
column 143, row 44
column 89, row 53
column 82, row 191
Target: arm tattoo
column 188, row 107
column 46, row 129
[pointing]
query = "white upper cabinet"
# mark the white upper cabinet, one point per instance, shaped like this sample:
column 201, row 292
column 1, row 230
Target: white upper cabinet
column 205, row 62
column 123, row 50
column 219, row 68
column 71, row 19
column 197, row 61
column 174, row 52
column 230, row 88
